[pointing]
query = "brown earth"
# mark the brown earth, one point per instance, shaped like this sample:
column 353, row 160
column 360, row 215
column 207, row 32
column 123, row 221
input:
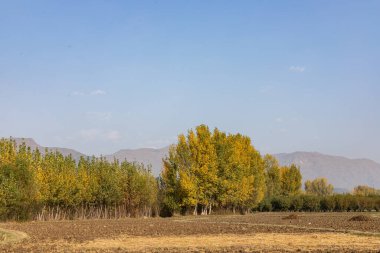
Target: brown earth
column 260, row 232
column 360, row 218
column 291, row 217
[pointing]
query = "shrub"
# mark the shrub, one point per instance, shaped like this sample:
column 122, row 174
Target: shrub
column 311, row 203
column 280, row 203
column 265, row 205
column 296, row 203
column 327, row 204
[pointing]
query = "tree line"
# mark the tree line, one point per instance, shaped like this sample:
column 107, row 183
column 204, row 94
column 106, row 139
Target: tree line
column 205, row 172
column 52, row 186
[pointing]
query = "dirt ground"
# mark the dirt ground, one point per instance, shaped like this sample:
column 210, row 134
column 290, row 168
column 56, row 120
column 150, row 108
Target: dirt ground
column 259, row 232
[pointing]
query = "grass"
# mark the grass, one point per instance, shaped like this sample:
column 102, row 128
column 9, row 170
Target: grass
column 11, row 236
column 267, row 241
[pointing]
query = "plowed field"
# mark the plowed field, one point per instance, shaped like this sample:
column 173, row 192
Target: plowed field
column 260, row 232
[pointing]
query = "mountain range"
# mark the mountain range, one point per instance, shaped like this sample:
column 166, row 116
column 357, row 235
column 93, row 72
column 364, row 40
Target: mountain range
column 342, row 172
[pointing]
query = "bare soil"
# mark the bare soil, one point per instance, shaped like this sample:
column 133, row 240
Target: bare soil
column 259, row 232
column 291, row 217
column 360, row 218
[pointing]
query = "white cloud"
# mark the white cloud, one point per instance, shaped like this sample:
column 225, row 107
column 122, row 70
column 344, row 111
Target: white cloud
column 101, row 116
column 94, row 134
column 90, row 134
column 298, row 69
column 77, row 93
column 97, row 93
column 279, row 120
column 112, row 135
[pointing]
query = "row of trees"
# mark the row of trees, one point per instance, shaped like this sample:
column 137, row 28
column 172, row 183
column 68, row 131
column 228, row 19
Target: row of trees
column 318, row 203
column 318, row 194
column 207, row 170
column 52, row 186
column 204, row 171
column 364, row 190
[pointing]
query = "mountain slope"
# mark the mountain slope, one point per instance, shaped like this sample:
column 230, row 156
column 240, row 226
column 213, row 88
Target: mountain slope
column 340, row 171
column 33, row 145
column 144, row 155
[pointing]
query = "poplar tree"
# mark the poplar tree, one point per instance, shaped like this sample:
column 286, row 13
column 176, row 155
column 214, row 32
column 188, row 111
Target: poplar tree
column 319, row 187
column 272, row 176
column 291, row 180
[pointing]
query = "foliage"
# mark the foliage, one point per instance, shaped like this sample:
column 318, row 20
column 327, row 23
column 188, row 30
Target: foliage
column 314, row 203
column 213, row 169
column 53, row 186
column 319, row 187
column 272, row 176
column 364, row 190
column 291, row 180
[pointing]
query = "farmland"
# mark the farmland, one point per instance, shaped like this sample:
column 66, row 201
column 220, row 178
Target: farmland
column 259, row 232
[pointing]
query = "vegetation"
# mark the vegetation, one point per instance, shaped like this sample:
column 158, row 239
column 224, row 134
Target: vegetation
column 52, row 186
column 314, row 203
column 212, row 169
column 205, row 171
column 319, row 187
column 363, row 190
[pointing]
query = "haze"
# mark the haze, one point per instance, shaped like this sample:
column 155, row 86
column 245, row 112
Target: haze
column 99, row 76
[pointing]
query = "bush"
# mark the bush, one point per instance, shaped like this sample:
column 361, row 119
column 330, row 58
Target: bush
column 265, row 205
column 296, row 203
column 280, row 203
column 311, row 203
column 327, row 204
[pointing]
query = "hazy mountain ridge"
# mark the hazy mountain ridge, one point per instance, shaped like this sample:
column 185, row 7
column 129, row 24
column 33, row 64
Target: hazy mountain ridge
column 342, row 172
column 29, row 142
column 146, row 156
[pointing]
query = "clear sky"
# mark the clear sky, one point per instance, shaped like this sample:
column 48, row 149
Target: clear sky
column 99, row 76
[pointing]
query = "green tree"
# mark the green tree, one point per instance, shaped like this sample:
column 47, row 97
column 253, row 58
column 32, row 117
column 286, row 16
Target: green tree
column 364, row 190
column 319, row 187
column 272, row 176
column 291, row 180
column 209, row 169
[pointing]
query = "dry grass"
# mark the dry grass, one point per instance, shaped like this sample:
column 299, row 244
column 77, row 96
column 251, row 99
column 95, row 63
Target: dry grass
column 260, row 241
column 11, row 236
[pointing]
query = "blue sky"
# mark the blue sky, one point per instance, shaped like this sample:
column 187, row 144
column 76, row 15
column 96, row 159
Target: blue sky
column 98, row 76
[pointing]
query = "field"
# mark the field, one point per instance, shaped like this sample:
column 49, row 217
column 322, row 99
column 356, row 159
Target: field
column 260, row 232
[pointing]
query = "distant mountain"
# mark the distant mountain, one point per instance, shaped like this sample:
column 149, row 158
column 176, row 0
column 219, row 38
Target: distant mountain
column 144, row 155
column 342, row 172
column 33, row 145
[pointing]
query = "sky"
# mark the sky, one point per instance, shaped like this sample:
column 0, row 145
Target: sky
column 98, row 76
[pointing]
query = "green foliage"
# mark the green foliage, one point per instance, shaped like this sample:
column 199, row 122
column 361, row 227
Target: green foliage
column 314, row 203
column 272, row 176
column 296, row 203
column 52, row 186
column 311, row 203
column 319, row 187
column 17, row 189
column 364, row 190
column 281, row 203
